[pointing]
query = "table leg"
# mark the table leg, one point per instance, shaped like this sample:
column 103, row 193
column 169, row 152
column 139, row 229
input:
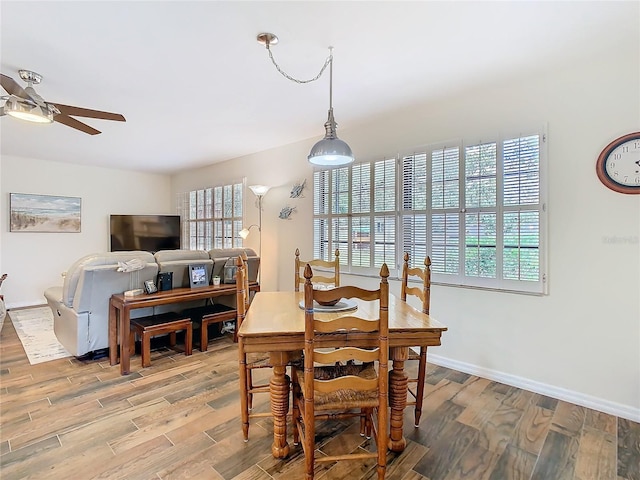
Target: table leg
column 279, row 393
column 398, row 382
column 113, row 334
column 125, row 326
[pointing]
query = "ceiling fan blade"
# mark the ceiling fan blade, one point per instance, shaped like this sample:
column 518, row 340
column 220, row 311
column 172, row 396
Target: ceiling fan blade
column 12, row 87
column 73, row 123
column 86, row 112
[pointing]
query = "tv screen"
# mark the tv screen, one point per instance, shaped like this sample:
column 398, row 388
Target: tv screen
column 144, row 232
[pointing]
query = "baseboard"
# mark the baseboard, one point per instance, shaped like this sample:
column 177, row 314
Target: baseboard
column 595, row 403
column 26, row 304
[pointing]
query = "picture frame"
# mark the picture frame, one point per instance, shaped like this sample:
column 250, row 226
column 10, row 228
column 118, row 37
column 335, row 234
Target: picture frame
column 150, row 286
column 198, row 275
column 34, row 213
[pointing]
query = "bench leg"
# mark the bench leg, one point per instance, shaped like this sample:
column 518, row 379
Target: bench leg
column 146, row 349
column 132, row 342
column 204, row 335
column 188, row 340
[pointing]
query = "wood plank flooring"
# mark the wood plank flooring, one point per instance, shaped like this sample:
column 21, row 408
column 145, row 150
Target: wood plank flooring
column 179, row 419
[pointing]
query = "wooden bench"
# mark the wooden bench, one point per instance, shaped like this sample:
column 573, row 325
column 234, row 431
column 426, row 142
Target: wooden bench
column 147, row 327
column 209, row 315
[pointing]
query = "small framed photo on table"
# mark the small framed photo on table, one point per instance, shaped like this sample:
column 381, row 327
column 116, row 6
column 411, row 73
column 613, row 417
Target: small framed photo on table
column 198, row 275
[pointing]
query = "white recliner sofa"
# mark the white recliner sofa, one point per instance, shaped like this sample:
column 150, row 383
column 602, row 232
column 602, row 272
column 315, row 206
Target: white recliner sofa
column 81, row 306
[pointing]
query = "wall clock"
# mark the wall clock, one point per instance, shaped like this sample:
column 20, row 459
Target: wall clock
column 618, row 166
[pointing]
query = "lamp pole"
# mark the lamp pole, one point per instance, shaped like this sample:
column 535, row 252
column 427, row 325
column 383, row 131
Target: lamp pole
column 260, row 226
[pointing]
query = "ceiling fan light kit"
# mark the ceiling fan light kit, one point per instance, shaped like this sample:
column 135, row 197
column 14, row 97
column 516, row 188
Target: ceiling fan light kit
column 17, row 107
column 330, row 151
column 26, row 104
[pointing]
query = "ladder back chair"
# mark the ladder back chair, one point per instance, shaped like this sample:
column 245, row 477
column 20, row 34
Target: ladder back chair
column 320, row 275
column 343, row 382
column 247, row 363
column 423, row 293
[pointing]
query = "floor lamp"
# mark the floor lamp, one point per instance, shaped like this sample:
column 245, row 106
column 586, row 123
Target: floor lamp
column 259, row 191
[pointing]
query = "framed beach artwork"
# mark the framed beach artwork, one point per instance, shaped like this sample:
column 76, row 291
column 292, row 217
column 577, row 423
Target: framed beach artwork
column 44, row 213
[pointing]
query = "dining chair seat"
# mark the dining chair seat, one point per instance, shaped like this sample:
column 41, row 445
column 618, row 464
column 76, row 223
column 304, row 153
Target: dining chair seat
column 343, row 398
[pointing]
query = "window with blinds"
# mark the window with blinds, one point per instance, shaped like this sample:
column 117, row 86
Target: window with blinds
column 476, row 208
column 355, row 212
column 212, row 217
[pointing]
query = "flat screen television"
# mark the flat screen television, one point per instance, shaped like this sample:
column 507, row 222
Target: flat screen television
column 144, row 232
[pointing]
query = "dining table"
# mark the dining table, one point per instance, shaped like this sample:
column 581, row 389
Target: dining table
column 275, row 324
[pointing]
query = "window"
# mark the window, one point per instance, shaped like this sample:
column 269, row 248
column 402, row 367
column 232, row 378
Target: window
column 211, row 217
column 476, row 208
column 354, row 212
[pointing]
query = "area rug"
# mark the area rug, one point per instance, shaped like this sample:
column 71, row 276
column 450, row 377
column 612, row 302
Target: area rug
column 35, row 330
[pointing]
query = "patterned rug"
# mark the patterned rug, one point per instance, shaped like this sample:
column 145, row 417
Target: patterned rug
column 35, row 330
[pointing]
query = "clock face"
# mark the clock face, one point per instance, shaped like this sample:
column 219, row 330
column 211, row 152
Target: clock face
column 618, row 165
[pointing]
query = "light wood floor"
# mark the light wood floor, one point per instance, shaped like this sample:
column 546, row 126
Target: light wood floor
column 179, row 418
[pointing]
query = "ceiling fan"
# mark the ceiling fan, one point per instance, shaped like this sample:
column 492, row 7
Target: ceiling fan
column 25, row 103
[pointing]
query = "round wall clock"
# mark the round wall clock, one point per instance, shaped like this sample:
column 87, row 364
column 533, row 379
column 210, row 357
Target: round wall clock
column 618, row 166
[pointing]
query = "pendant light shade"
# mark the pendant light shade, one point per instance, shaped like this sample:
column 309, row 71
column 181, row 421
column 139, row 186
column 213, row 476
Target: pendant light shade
column 330, row 151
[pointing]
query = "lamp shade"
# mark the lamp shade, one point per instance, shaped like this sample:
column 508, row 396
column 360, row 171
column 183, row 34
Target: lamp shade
column 259, row 190
column 330, row 151
column 244, row 233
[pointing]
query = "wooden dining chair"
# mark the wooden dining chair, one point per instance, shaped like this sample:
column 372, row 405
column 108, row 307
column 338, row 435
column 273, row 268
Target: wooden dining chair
column 320, row 275
column 423, row 293
column 343, row 382
column 253, row 361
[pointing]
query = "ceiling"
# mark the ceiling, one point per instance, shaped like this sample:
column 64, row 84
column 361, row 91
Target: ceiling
column 196, row 88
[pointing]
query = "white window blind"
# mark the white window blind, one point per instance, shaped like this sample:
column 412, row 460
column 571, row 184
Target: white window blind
column 476, row 208
column 360, row 217
column 415, row 203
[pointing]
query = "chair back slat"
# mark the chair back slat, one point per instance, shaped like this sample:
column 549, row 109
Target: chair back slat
column 319, row 275
column 346, row 323
column 348, row 291
column 347, row 353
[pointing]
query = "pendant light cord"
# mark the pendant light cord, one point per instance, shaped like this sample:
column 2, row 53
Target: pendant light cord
column 328, row 61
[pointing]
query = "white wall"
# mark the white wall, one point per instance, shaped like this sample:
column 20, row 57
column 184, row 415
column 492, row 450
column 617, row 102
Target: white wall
column 35, row 261
column 580, row 342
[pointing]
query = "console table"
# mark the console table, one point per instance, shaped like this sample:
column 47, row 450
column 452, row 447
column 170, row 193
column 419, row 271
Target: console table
column 120, row 313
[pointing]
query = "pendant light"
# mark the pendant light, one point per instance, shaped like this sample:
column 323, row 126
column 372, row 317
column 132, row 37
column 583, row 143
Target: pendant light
column 330, row 151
